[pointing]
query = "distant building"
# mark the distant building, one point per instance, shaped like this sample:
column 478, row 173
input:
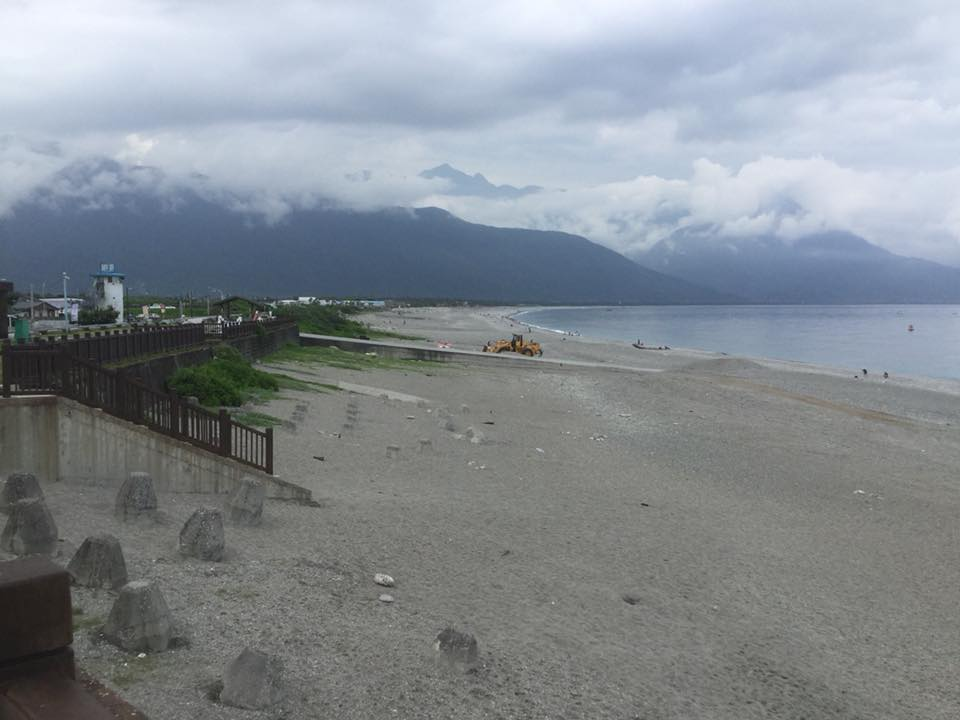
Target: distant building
column 40, row 310
column 73, row 308
column 108, row 289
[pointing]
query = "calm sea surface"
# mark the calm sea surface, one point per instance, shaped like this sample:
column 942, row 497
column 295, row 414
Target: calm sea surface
column 852, row 336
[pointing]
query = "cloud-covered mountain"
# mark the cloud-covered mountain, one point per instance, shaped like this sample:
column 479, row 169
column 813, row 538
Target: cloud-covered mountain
column 824, row 268
column 171, row 239
column 477, row 185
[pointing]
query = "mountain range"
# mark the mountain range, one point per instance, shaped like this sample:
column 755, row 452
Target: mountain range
column 826, row 269
column 174, row 239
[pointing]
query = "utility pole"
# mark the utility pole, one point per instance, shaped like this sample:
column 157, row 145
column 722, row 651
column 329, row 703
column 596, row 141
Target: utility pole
column 66, row 317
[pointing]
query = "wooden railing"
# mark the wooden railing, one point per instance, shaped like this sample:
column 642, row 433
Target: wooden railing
column 51, row 369
column 110, row 346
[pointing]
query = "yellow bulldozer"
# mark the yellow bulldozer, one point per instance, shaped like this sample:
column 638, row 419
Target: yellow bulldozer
column 515, row 344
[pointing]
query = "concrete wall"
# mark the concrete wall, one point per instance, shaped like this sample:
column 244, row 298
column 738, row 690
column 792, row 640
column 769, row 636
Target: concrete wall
column 402, row 351
column 28, row 436
column 59, row 439
column 156, row 370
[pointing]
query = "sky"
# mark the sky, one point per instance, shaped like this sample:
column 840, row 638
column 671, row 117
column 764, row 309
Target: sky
column 638, row 119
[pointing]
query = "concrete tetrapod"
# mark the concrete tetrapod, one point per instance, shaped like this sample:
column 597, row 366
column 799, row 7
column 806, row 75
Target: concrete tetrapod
column 253, row 681
column 202, row 535
column 30, row 529
column 136, row 498
column 99, row 563
column 246, row 504
column 140, row 620
column 456, row 648
column 19, row 486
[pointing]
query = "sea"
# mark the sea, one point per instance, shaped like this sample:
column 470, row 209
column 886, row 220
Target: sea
column 915, row 340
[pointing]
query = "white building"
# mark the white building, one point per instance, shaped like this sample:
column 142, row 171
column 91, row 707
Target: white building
column 108, row 289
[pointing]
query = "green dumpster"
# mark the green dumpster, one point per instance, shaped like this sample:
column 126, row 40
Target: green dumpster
column 21, row 329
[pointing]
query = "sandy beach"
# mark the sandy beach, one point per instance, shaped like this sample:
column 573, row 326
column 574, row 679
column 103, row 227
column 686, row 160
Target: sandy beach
column 628, row 534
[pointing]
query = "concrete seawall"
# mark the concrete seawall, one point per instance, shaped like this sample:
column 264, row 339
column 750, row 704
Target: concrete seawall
column 61, row 440
column 404, row 351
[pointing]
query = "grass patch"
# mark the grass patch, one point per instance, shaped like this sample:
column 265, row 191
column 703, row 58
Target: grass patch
column 133, row 671
column 86, row 622
column 228, row 379
column 288, row 383
column 334, row 320
column 334, row 357
column 256, row 419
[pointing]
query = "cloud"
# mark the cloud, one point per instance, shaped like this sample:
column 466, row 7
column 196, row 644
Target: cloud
column 754, row 117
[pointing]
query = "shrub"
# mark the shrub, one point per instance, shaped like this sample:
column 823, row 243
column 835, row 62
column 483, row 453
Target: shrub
column 228, row 379
column 97, row 316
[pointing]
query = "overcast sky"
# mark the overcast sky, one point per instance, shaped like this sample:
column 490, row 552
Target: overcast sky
column 638, row 118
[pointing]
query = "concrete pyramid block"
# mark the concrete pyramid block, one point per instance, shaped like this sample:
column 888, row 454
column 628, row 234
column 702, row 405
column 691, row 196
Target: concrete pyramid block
column 254, row 680
column 456, row 647
column 30, row 529
column 19, row 486
column 246, row 504
column 99, row 563
column 140, row 620
column 136, row 498
column 202, row 535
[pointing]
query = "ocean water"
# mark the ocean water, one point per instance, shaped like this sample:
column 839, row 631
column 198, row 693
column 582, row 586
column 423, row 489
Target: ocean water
column 875, row 337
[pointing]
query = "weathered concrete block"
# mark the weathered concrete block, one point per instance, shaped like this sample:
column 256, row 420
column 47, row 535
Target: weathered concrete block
column 447, row 424
column 19, row 486
column 35, row 612
column 246, row 504
column 140, row 620
column 202, row 535
column 456, row 647
column 473, row 435
column 30, row 529
column 254, row 680
column 393, row 452
column 136, row 498
column 99, row 563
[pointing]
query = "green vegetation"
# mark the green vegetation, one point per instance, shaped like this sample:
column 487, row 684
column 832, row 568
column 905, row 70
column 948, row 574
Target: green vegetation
column 228, row 379
column 335, row 357
column 334, row 320
column 256, row 419
column 97, row 316
column 133, row 670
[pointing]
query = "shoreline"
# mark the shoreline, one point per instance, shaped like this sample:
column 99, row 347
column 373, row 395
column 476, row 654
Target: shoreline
column 949, row 386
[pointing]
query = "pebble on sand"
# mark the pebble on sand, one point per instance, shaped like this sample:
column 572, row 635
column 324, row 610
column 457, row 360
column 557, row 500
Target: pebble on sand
column 383, row 579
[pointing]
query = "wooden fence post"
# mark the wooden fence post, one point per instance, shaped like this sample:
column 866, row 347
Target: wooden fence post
column 225, row 432
column 7, row 370
column 268, row 451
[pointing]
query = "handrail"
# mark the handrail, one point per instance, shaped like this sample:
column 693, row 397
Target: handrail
column 55, row 370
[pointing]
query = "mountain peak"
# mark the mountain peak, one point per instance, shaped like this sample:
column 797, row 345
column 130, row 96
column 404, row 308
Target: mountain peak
column 460, row 183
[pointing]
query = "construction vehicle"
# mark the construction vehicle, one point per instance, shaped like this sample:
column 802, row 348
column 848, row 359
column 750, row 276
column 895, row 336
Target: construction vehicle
column 515, row 344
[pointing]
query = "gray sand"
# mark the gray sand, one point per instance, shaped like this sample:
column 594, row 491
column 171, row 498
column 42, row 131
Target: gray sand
column 721, row 538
